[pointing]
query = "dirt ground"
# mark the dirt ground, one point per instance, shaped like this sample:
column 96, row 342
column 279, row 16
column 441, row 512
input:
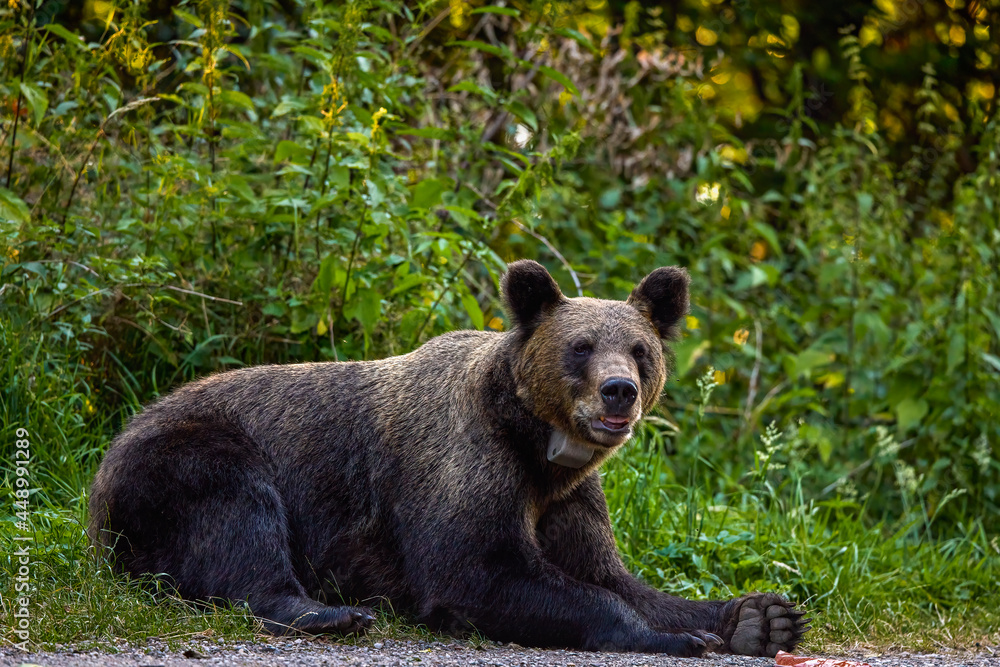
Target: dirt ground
column 300, row 653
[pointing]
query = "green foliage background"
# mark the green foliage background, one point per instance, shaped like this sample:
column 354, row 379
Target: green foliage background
column 214, row 184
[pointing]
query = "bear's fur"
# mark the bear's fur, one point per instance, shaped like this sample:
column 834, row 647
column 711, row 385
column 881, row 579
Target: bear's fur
column 426, row 480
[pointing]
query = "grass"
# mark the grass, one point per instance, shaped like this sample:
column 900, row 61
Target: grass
column 695, row 523
column 867, row 583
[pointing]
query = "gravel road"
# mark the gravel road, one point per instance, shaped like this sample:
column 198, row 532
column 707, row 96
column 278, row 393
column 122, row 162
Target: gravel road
column 300, row 653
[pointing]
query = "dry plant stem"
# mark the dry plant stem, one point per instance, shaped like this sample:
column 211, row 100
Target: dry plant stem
column 861, row 468
column 326, row 174
column 108, row 289
column 134, row 104
column 350, row 262
column 211, row 156
column 554, row 251
column 70, row 262
column 20, row 96
column 447, row 287
column 767, row 399
column 79, row 174
column 851, row 315
column 427, row 29
column 298, row 93
column 203, row 296
column 754, row 380
column 967, row 313
column 329, row 155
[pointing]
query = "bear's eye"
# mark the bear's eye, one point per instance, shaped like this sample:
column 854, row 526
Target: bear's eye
column 582, row 349
column 639, row 351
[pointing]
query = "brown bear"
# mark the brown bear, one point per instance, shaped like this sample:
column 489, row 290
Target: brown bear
column 459, row 481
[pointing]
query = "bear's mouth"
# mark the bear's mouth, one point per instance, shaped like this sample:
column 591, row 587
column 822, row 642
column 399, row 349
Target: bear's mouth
column 612, row 424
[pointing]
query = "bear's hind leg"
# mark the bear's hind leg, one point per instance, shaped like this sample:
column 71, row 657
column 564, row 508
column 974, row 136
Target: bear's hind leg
column 196, row 502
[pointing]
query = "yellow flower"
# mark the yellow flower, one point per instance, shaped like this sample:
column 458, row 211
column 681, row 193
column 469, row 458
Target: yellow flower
column 496, row 323
column 331, row 111
column 741, row 336
column 459, row 13
column 376, row 120
column 692, row 323
column 707, row 193
column 758, row 251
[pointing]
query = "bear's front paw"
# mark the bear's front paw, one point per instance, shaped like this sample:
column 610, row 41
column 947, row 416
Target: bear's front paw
column 339, row 620
column 762, row 624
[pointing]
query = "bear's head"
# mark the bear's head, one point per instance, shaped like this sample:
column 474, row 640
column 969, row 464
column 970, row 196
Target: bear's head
column 592, row 367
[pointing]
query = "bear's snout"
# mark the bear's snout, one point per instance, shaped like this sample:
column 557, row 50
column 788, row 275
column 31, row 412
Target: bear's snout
column 619, row 394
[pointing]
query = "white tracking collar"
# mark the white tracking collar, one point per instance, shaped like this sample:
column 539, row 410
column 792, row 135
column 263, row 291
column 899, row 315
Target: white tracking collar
column 567, row 452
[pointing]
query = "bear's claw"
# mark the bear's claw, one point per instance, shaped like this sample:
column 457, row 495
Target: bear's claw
column 338, row 620
column 762, row 624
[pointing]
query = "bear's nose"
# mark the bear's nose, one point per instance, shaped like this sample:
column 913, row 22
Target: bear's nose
column 619, row 394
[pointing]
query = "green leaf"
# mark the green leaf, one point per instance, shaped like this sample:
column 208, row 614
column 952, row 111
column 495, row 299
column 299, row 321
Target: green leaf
column 366, row 308
column 506, row 11
column 408, row 282
column 303, row 320
column 339, row 177
column 317, row 57
column 909, row 412
column 559, row 78
column 463, row 216
column 239, row 185
column 12, row 208
column 430, row 132
column 865, row 202
column 526, row 115
column 472, row 87
column 956, row 350
column 579, row 38
column 324, row 279
column 767, row 231
column 188, row 18
column 289, row 150
column 687, row 353
column 287, row 106
column 376, row 192
column 36, row 100
column 992, row 360
column 276, row 309
column 427, row 193
column 804, row 362
column 236, row 99
column 71, row 38
column 754, row 276
column 474, row 311
column 499, row 51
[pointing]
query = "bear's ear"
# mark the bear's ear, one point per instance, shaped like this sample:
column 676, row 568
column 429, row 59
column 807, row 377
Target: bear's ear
column 662, row 297
column 528, row 292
